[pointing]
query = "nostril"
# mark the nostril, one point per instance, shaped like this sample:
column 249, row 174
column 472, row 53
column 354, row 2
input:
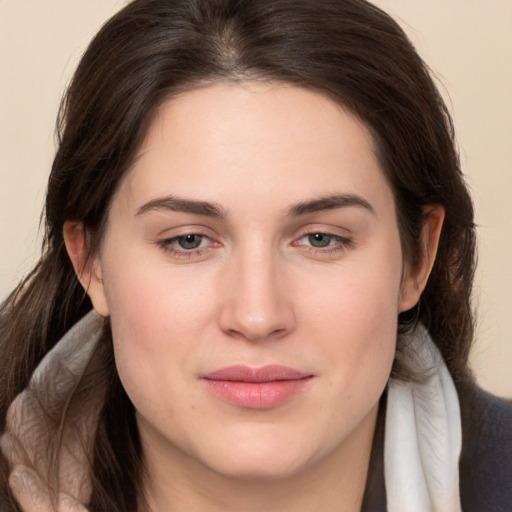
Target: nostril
column 256, row 327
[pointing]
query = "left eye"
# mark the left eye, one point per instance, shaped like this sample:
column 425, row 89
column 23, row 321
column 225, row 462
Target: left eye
column 319, row 239
column 189, row 242
column 185, row 244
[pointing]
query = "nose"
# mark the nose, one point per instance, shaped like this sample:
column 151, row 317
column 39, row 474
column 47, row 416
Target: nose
column 256, row 305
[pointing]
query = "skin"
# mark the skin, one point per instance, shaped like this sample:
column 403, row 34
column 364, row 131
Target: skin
column 255, row 292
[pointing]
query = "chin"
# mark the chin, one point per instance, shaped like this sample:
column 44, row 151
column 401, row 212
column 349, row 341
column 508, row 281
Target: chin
column 266, row 471
column 264, row 462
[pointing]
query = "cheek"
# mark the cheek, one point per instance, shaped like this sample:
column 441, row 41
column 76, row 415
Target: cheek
column 362, row 331
column 150, row 302
column 356, row 318
column 155, row 319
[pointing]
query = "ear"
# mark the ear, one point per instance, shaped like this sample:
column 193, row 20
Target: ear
column 416, row 278
column 87, row 267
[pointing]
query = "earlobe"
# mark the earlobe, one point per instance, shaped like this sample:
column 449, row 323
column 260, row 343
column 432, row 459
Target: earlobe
column 416, row 278
column 87, row 267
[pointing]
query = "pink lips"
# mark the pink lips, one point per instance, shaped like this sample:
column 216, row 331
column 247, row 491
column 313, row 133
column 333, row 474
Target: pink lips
column 256, row 388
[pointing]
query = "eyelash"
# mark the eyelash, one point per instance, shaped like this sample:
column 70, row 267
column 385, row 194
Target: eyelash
column 342, row 243
column 169, row 246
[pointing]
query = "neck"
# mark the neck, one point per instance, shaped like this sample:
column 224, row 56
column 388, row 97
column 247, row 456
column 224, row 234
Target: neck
column 336, row 482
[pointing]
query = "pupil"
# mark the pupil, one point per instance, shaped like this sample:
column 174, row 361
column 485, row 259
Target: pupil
column 189, row 241
column 319, row 240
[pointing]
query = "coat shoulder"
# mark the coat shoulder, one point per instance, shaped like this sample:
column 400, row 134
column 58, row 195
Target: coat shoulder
column 486, row 456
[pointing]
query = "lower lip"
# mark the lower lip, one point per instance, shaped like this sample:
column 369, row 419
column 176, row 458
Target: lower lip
column 256, row 395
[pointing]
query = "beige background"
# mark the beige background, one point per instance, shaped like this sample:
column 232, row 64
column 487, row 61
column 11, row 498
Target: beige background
column 467, row 42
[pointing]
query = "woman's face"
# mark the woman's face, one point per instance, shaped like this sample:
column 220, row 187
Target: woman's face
column 252, row 270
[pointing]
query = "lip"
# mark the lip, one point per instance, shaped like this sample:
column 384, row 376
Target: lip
column 256, row 388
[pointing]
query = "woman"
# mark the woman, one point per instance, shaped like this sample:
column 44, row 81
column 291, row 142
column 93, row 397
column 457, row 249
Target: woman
column 262, row 205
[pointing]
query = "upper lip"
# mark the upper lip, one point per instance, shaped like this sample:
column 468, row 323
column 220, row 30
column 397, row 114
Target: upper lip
column 269, row 373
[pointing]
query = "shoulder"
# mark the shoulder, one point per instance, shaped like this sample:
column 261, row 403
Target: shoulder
column 486, row 457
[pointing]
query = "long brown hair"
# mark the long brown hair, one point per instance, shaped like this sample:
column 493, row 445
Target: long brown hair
column 153, row 49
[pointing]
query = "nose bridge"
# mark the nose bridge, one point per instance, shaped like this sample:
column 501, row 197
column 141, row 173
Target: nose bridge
column 256, row 305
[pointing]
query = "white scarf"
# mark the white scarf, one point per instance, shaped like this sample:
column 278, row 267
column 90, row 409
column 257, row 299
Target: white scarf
column 422, row 440
column 423, row 435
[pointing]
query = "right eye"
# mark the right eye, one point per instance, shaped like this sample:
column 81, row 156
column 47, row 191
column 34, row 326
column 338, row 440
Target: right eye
column 188, row 245
column 320, row 239
column 188, row 242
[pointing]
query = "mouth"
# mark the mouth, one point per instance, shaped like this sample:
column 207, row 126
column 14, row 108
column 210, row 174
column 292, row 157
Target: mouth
column 256, row 388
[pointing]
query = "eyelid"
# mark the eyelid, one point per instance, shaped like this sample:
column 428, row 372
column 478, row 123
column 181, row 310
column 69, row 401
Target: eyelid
column 169, row 244
column 325, row 229
column 342, row 239
column 345, row 241
column 184, row 229
column 327, row 234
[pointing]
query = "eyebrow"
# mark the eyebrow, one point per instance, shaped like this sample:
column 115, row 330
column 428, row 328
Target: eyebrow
column 178, row 204
column 330, row 203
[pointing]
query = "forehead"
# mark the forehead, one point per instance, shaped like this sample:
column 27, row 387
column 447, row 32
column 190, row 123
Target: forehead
column 275, row 140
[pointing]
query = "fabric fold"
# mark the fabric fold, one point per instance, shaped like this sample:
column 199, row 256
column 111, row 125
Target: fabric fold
column 423, row 436
column 51, row 426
